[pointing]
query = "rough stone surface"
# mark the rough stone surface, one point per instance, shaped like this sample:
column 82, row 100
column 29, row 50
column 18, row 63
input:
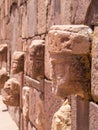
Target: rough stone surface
column 92, row 15
column 64, row 64
column 94, row 87
column 62, row 118
column 17, row 62
column 25, row 94
column 93, row 116
column 32, row 17
column 52, row 104
column 65, row 11
column 3, row 77
column 72, row 42
column 41, row 16
column 11, row 92
column 80, row 10
column 79, row 113
column 36, row 108
column 36, row 59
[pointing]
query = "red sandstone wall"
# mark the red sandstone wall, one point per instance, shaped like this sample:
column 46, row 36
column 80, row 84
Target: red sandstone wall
column 22, row 21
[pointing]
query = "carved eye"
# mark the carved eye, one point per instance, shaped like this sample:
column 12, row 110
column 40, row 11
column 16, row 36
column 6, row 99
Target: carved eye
column 8, row 84
column 64, row 39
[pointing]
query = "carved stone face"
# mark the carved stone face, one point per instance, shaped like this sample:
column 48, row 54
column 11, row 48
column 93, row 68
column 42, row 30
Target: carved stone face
column 17, row 62
column 36, row 55
column 71, row 76
column 11, row 92
column 69, row 49
column 3, row 77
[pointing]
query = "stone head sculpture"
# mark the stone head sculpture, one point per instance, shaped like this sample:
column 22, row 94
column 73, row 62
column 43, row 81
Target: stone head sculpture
column 17, row 62
column 11, row 92
column 69, row 48
column 3, row 77
column 36, row 55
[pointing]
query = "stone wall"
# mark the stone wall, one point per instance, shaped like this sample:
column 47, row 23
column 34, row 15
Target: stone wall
column 25, row 33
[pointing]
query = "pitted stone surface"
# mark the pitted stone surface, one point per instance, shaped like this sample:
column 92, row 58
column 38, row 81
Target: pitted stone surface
column 3, row 77
column 62, row 118
column 17, row 62
column 69, row 49
column 11, row 92
column 94, row 79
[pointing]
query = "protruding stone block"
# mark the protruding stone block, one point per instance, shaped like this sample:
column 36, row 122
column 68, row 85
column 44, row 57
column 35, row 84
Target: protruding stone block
column 3, row 77
column 51, row 104
column 17, row 62
column 36, row 108
column 69, row 48
column 11, row 92
column 62, row 118
column 36, row 55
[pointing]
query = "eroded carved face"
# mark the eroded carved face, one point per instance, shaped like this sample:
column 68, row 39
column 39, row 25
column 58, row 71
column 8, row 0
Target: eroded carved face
column 17, row 62
column 36, row 55
column 11, row 92
column 71, row 76
column 69, row 49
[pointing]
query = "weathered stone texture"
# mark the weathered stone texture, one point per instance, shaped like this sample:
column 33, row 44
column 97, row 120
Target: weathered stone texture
column 41, row 14
column 3, row 77
column 65, row 52
column 94, row 79
column 36, row 59
column 25, row 94
column 52, row 104
column 72, row 42
column 80, row 11
column 65, row 11
column 17, row 62
column 24, row 20
column 92, row 17
column 36, row 108
column 93, row 116
column 32, row 17
column 11, row 92
column 79, row 113
column 62, row 118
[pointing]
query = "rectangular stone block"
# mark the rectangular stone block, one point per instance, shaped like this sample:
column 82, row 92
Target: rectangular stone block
column 41, row 14
column 33, row 83
column 24, row 21
column 65, row 11
column 52, row 104
column 93, row 116
column 47, row 62
column 51, row 11
column 79, row 10
column 80, row 114
column 36, row 108
column 32, row 17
